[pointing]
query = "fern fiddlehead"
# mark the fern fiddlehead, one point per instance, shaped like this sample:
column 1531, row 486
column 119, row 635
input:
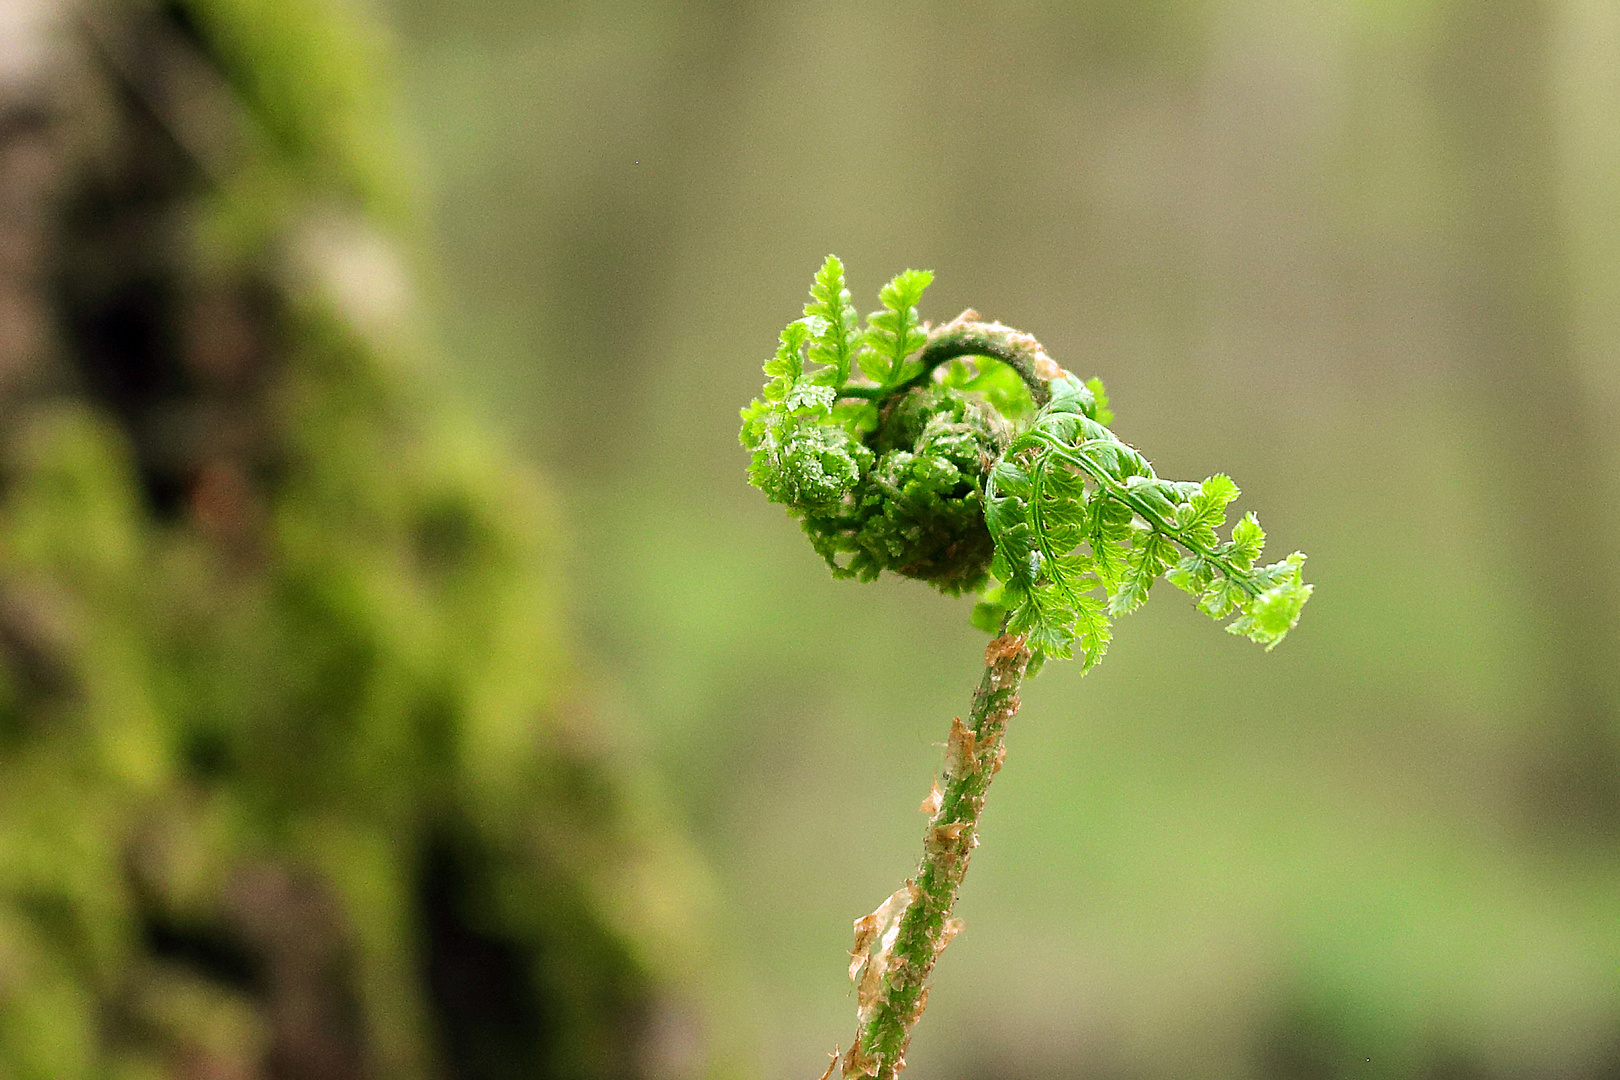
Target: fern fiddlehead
column 964, row 456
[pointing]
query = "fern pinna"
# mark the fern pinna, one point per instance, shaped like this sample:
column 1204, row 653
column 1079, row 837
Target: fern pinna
column 964, row 456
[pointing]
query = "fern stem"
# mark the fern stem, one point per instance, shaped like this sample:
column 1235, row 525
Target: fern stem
column 893, row 995
column 966, row 335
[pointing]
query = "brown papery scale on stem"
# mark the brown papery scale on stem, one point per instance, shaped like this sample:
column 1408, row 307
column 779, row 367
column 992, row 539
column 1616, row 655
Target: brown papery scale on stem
column 931, row 802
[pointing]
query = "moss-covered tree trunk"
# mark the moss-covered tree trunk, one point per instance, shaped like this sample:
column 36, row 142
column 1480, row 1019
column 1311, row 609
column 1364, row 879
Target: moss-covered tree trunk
column 292, row 780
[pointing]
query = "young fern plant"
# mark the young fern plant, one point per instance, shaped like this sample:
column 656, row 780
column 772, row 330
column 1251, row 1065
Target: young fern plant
column 964, row 456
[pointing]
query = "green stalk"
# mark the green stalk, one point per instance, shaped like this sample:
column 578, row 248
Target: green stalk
column 967, row 335
column 891, row 974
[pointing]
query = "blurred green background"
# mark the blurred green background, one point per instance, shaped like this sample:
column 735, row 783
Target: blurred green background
column 1364, row 255
column 587, row 777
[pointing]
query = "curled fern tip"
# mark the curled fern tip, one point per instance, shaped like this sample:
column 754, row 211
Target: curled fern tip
column 964, row 456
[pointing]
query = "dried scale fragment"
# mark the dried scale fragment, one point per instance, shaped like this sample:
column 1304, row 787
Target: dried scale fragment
column 960, row 751
column 869, row 966
column 858, row 1062
column 931, row 802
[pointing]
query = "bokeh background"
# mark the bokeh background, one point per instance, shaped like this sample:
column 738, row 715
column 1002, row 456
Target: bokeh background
column 1363, row 255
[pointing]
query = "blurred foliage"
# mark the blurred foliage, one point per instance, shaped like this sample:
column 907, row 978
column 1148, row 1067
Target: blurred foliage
column 1362, row 253
column 296, row 779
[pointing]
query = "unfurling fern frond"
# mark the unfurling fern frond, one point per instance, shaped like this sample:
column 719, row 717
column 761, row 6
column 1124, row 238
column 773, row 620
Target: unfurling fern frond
column 964, row 456
column 967, row 454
